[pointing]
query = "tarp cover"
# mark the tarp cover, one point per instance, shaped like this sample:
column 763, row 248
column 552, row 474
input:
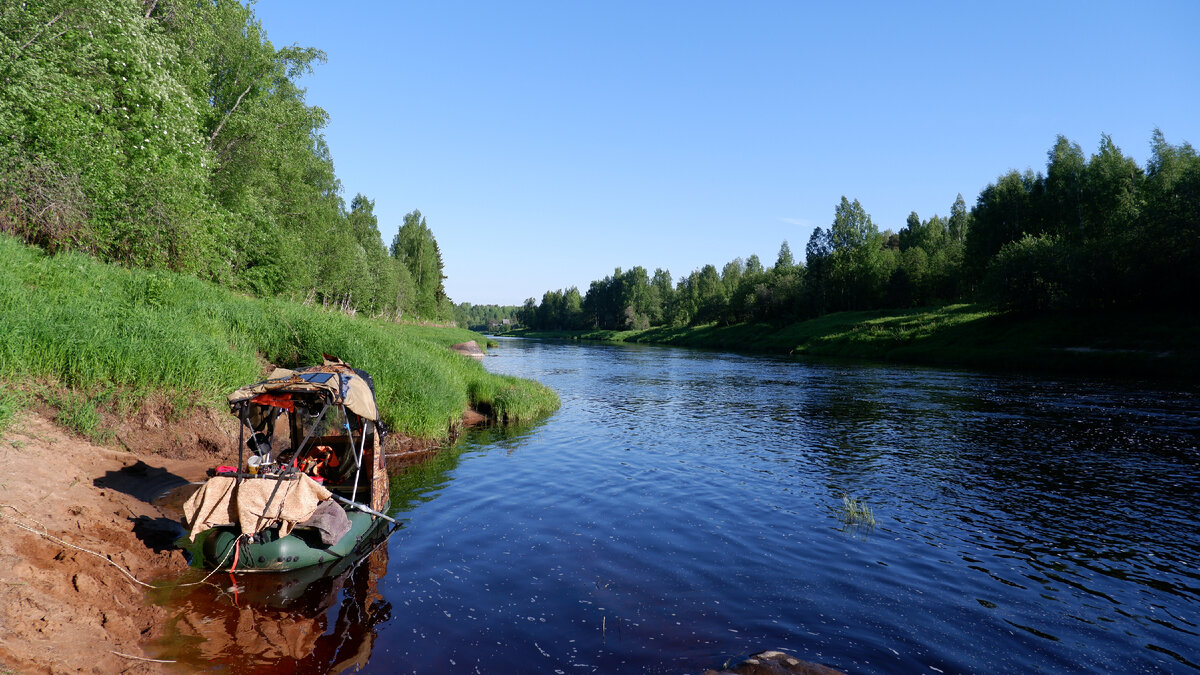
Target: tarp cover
column 343, row 386
column 254, row 505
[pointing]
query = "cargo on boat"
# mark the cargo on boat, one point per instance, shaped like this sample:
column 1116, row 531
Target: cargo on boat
column 309, row 486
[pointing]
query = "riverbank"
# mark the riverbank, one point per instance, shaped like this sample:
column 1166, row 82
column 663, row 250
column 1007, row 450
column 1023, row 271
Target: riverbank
column 84, row 536
column 1155, row 345
column 83, row 336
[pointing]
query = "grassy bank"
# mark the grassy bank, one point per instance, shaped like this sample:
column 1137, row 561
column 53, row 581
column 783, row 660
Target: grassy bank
column 83, row 335
column 1128, row 344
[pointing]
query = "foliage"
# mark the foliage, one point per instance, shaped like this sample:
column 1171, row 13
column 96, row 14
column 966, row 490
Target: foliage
column 1028, row 274
column 173, row 135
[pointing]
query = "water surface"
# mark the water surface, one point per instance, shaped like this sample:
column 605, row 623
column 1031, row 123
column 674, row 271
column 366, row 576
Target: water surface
column 685, row 508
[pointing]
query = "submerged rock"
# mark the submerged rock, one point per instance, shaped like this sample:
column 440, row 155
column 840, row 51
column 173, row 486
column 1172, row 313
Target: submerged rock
column 776, row 663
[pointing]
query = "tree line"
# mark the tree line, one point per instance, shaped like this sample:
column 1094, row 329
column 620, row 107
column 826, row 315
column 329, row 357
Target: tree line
column 172, row 134
column 1091, row 233
column 489, row 318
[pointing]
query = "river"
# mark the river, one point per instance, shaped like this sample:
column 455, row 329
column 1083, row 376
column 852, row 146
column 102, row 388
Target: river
column 687, row 508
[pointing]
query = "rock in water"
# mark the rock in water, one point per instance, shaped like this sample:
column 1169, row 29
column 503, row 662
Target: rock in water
column 776, row 663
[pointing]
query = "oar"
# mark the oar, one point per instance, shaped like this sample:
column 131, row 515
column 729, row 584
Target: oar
column 365, row 509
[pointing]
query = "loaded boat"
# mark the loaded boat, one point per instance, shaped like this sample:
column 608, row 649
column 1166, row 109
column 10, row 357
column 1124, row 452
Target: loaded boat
column 310, row 485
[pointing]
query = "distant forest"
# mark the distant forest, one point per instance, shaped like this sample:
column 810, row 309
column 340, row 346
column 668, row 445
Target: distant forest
column 171, row 134
column 1092, row 233
column 490, row 318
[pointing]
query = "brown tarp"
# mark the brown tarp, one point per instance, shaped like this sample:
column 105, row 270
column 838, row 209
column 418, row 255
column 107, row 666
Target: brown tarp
column 215, row 503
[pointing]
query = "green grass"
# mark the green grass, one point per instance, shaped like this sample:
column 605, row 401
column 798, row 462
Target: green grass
column 10, row 406
column 113, row 336
column 1141, row 344
column 79, row 412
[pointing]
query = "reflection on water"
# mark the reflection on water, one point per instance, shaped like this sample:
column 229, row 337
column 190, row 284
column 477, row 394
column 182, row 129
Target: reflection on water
column 684, row 508
column 321, row 619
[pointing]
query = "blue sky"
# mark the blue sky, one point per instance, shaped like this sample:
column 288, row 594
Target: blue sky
column 548, row 143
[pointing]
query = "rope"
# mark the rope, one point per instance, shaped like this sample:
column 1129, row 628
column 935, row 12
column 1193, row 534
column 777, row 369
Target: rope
column 124, row 571
column 140, row 658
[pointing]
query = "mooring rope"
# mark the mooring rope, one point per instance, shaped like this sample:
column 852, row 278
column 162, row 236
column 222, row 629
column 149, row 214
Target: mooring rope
column 124, row 571
column 141, row 658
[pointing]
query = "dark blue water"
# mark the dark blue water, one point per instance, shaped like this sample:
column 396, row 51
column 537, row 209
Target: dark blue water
column 684, row 509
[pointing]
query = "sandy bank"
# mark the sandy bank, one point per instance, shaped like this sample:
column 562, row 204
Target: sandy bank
column 77, row 527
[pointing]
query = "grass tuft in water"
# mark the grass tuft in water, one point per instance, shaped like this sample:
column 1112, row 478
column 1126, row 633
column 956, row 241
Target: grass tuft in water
column 855, row 512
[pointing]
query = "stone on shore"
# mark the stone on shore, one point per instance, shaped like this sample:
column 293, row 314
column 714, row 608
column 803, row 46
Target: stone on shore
column 468, row 348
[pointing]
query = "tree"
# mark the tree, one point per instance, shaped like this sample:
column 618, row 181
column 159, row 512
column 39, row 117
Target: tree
column 1168, row 228
column 662, row 297
column 960, row 221
column 415, row 246
column 818, row 274
column 1112, row 182
column 785, row 260
column 382, row 290
column 859, row 265
column 573, row 309
column 1065, row 176
column 710, row 294
column 1005, row 211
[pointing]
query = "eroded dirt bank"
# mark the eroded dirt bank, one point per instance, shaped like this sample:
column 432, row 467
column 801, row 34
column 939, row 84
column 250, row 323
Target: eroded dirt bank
column 64, row 609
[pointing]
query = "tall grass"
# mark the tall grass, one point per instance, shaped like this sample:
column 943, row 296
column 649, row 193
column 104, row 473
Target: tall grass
column 10, row 405
column 98, row 328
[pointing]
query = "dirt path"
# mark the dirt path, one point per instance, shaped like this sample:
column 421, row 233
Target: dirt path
column 66, row 610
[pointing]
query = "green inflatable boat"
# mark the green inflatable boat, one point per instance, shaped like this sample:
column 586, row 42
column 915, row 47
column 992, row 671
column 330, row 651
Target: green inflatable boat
column 310, row 486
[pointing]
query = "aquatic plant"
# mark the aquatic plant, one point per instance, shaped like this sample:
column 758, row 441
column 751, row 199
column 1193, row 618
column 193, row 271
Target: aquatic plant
column 855, row 512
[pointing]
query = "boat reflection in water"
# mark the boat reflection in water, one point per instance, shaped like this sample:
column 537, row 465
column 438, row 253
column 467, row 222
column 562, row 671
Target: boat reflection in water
column 319, row 619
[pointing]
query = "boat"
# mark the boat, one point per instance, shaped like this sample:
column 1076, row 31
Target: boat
column 310, row 486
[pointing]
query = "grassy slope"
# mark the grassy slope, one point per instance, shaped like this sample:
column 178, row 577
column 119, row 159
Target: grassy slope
column 1155, row 345
column 101, row 335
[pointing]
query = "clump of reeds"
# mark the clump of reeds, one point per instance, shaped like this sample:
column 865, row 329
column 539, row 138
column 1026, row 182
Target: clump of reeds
column 855, row 512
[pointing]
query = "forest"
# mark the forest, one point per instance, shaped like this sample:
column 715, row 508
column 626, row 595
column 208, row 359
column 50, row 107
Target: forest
column 173, row 135
column 1095, row 234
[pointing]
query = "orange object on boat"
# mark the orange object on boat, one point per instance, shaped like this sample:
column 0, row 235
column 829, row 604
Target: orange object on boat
column 277, row 400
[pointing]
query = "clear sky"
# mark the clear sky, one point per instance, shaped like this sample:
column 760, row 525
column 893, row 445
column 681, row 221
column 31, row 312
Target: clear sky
column 548, row 143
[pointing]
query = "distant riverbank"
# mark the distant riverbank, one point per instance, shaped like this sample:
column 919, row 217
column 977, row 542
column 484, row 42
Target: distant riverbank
column 1155, row 345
